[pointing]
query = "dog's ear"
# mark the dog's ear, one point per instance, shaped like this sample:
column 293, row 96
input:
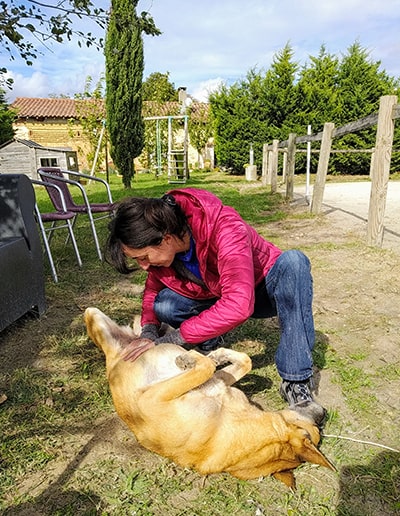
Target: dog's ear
column 308, row 452
column 286, row 477
column 105, row 333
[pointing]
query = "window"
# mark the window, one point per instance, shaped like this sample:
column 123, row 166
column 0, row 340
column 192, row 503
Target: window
column 48, row 162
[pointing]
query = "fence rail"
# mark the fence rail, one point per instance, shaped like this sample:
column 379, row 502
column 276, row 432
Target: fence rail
column 381, row 154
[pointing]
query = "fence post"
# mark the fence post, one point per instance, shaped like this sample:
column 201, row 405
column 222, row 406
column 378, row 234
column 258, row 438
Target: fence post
column 274, row 165
column 291, row 159
column 322, row 170
column 269, row 167
column 380, row 170
column 284, row 165
column 264, row 165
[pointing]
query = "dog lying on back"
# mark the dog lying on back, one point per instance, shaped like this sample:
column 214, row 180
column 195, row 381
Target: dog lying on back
column 180, row 406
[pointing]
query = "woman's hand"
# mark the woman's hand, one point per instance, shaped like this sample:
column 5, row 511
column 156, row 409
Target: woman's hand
column 136, row 348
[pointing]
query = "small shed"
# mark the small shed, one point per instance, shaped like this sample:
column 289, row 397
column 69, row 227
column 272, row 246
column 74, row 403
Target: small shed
column 19, row 156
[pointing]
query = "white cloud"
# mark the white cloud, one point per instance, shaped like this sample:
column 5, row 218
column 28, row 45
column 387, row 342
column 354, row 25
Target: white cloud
column 35, row 85
column 206, row 42
column 203, row 90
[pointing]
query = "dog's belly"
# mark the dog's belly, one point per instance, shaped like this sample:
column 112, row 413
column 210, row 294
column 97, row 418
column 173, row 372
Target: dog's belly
column 154, row 366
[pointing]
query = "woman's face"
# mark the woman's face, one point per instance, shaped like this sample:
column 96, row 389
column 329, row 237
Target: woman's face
column 157, row 256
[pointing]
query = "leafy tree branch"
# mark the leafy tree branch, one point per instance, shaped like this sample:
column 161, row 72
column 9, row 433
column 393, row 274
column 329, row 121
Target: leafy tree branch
column 20, row 23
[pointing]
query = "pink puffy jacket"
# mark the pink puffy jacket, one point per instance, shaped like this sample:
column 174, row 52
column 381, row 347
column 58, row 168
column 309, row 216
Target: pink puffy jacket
column 233, row 259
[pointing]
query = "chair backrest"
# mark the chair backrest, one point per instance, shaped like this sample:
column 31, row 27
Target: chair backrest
column 50, row 175
column 50, row 187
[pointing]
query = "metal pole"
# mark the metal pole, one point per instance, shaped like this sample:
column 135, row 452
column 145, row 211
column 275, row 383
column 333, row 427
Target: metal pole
column 98, row 149
column 106, row 156
column 185, row 149
column 308, row 167
column 170, row 164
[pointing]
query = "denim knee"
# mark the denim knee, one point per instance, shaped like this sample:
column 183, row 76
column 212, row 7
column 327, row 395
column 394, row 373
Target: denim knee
column 163, row 306
column 296, row 259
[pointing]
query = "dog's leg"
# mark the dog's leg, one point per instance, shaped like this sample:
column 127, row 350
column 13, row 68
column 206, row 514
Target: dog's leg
column 197, row 370
column 239, row 364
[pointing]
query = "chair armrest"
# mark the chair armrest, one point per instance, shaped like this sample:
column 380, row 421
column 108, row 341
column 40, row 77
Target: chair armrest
column 90, row 178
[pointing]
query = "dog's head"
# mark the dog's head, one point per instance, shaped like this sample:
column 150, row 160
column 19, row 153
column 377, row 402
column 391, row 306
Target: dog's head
column 106, row 333
column 304, row 436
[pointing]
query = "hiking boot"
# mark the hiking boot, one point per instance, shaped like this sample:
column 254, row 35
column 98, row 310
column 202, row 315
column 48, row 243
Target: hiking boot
column 210, row 345
column 300, row 399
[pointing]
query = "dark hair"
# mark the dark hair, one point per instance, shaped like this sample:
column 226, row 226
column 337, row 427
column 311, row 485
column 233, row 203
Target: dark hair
column 141, row 222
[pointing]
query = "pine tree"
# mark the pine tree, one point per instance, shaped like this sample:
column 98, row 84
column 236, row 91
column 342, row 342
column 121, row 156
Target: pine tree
column 253, row 111
column 236, row 124
column 124, row 74
column 6, row 120
column 157, row 87
column 361, row 83
column 317, row 93
column 279, row 91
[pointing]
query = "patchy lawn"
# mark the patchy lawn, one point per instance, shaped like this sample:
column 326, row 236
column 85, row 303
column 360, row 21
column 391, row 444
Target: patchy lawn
column 65, row 452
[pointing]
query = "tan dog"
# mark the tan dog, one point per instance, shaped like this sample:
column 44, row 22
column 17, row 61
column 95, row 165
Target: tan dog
column 178, row 405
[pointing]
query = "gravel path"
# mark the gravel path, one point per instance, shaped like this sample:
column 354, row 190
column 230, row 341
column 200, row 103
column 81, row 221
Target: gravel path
column 349, row 203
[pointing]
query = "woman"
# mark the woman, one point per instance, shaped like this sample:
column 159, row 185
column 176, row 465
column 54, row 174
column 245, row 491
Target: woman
column 208, row 272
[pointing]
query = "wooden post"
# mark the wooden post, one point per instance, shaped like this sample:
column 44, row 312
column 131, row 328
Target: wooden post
column 269, row 167
column 322, row 170
column 372, row 164
column 284, row 166
column 274, row 166
column 380, row 170
column 264, row 165
column 291, row 159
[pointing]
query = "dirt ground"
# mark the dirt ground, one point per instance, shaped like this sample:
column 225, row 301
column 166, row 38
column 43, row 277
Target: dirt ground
column 356, row 290
column 356, row 308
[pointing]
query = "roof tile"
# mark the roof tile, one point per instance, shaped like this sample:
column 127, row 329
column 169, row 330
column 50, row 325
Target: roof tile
column 30, row 107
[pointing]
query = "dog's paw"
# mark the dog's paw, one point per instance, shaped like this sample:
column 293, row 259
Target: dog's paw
column 220, row 356
column 185, row 361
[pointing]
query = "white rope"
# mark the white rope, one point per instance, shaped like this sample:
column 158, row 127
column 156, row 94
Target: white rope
column 362, row 442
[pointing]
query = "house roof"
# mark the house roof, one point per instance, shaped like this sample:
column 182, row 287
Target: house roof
column 30, row 107
column 34, row 145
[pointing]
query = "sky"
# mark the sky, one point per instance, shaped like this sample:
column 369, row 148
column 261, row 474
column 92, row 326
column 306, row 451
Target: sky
column 208, row 42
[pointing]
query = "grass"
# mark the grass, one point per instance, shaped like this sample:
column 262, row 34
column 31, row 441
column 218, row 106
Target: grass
column 64, row 452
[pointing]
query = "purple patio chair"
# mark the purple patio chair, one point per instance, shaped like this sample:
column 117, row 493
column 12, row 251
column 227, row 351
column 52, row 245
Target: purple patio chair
column 62, row 218
column 59, row 177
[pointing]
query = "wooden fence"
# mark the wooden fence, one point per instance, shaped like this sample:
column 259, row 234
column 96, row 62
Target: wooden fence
column 389, row 110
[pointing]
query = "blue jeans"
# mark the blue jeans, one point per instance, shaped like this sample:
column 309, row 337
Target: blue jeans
column 286, row 292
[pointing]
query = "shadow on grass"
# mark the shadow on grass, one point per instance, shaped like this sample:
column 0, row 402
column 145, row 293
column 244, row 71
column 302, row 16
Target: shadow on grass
column 371, row 489
column 56, row 500
column 259, row 338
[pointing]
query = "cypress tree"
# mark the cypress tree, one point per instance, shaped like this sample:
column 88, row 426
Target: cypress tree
column 124, row 75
